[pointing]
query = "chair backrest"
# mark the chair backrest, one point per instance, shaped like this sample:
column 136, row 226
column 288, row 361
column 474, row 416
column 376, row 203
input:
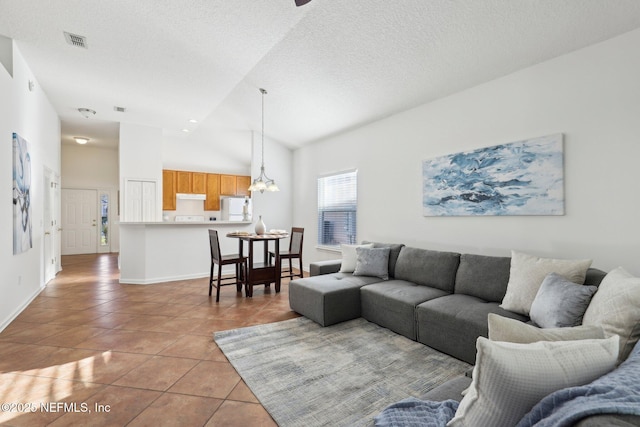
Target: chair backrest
column 295, row 244
column 214, row 244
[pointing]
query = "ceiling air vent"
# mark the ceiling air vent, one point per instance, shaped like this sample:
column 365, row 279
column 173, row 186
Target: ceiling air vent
column 75, row 40
column 119, row 109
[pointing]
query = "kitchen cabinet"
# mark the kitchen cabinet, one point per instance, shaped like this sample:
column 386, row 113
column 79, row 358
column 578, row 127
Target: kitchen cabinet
column 212, row 184
column 198, row 182
column 212, row 203
column 234, row 185
column 227, row 185
column 168, row 190
column 242, row 185
column 183, row 182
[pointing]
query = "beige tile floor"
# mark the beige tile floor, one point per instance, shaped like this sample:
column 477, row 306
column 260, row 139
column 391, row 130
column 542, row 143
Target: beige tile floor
column 90, row 351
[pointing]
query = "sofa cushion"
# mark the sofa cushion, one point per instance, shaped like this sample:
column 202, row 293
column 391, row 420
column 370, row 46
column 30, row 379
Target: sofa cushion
column 511, row 330
column 509, row 379
column 394, row 251
column 329, row 298
column 372, row 262
column 349, row 257
column 430, row 268
column 527, row 273
column 452, row 323
column 560, row 303
column 485, row 277
column 616, row 307
column 392, row 304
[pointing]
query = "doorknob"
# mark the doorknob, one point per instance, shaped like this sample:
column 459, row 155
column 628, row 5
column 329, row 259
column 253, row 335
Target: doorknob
column 59, row 228
column 46, row 233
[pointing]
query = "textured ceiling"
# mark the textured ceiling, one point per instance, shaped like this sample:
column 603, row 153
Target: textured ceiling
column 329, row 66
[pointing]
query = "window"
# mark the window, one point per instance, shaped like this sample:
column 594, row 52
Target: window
column 337, row 206
column 104, row 219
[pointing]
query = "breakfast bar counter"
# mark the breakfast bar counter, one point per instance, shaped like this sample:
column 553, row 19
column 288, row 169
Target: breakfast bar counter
column 155, row 252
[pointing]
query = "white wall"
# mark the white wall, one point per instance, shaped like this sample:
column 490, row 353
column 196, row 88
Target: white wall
column 96, row 168
column 31, row 116
column 197, row 153
column 591, row 96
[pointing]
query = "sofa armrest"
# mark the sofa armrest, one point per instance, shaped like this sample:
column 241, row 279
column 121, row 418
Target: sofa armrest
column 324, row 267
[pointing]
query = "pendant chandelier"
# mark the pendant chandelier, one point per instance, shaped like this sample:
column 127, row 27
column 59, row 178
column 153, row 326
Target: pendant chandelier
column 263, row 182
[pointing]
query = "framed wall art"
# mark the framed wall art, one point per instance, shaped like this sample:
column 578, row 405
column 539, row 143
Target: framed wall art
column 22, row 237
column 519, row 178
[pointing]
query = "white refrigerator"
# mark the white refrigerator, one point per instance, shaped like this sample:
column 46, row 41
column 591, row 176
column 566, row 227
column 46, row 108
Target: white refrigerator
column 232, row 208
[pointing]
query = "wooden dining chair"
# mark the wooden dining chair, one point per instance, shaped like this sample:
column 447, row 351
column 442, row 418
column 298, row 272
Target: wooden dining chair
column 218, row 259
column 294, row 252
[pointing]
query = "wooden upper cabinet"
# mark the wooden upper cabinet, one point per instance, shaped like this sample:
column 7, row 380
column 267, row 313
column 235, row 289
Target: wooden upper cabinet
column 212, row 203
column 242, row 185
column 227, row 185
column 198, row 182
column 168, row 190
column 183, row 182
column 212, row 184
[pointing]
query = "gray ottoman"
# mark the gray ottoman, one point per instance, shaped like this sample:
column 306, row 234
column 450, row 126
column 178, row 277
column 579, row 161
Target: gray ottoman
column 329, row 298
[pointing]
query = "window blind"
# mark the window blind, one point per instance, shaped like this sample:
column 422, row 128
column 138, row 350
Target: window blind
column 337, row 208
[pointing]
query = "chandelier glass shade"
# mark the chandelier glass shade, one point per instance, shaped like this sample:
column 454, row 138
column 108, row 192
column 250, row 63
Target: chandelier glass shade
column 263, row 182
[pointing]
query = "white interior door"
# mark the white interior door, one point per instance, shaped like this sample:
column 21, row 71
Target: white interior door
column 79, row 221
column 140, row 201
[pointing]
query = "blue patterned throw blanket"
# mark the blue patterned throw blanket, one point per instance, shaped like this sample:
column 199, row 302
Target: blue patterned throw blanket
column 413, row 412
column 617, row 392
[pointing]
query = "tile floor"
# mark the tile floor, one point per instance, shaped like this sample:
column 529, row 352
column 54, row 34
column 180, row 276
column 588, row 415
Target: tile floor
column 100, row 353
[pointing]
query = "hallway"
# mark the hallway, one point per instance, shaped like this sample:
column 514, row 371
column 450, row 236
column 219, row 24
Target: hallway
column 98, row 352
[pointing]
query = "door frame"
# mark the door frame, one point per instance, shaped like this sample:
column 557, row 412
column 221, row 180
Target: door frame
column 51, row 230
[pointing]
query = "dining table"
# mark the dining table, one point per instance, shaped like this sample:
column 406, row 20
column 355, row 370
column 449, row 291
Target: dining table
column 260, row 273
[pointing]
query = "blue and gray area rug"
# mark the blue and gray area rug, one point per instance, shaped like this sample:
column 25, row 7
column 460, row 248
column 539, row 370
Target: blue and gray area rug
column 342, row 375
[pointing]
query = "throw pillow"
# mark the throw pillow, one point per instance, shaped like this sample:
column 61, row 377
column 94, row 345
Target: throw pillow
column 616, row 307
column 511, row 330
column 527, row 273
column 372, row 262
column 509, row 379
column 560, row 303
column 349, row 257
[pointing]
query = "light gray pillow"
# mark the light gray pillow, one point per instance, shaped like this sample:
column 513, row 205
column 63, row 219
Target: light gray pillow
column 615, row 307
column 509, row 379
column 527, row 273
column 349, row 257
column 372, row 262
column 560, row 303
column 512, row 330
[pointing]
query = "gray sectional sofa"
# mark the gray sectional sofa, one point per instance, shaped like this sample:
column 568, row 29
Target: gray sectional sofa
column 440, row 299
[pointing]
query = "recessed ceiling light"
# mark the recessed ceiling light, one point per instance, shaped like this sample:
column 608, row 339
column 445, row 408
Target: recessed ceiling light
column 185, row 130
column 81, row 140
column 193, row 121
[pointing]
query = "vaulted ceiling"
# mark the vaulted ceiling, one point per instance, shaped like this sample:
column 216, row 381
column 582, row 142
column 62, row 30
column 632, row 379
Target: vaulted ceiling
column 329, row 66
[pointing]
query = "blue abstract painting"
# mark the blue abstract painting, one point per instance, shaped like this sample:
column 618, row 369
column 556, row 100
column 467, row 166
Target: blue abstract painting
column 22, row 240
column 518, row 178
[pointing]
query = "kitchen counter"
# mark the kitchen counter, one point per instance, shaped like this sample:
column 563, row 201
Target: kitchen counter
column 155, row 252
column 188, row 223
